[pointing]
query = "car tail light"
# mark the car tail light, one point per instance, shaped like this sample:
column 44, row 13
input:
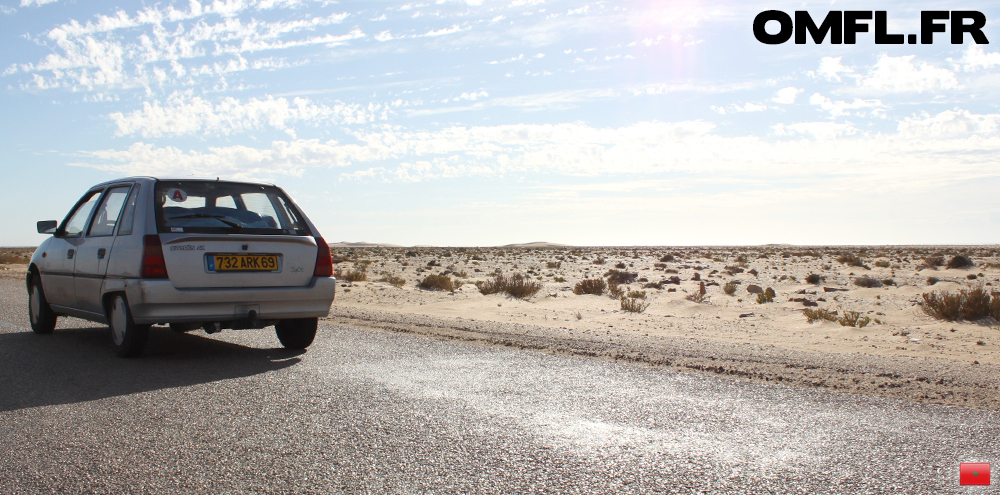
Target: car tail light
column 324, row 263
column 153, row 264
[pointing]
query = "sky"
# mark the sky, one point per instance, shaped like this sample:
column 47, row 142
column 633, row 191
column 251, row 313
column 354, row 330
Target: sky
column 483, row 123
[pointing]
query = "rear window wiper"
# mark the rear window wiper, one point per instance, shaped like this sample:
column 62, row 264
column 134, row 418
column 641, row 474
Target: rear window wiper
column 214, row 217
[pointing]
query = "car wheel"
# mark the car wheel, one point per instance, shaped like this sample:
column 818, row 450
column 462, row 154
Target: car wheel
column 128, row 338
column 43, row 319
column 298, row 333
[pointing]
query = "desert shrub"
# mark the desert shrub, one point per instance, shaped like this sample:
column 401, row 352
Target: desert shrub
column 701, row 296
column 394, row 280
column 636, row 294
column 852, row 260
column 599, row 261
column 553, row 264
column 960, row 261
column 934, row 261
column 437, row 282
column 932, row 280
column 433, row 263
column 352, row 275
column 867, row 282
column 766, row 296
column 559, row 279
column 615, row 290
column 854, row 319
column 971, row 276
column 888, row 281
column 590, row 286
column 620, row 277
column 882, row 264
column 634, row 304
column 620, row 266
column 819, row 314
column 461, row 274
column 730, row 288
column 516, row 285
column 967, row 304
column 10, row 258
column 666, row 258
column 814, row 279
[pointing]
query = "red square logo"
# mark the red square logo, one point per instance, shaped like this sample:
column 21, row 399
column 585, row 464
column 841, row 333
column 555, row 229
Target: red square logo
column 974, row 473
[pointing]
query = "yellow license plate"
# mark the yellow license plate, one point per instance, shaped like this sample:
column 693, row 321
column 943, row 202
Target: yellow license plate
column 242, row 262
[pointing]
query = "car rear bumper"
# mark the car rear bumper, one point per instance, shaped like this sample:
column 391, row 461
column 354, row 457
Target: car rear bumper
column 157, row 301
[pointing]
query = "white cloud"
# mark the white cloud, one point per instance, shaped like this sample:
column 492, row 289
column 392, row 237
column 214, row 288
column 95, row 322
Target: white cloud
column 950, row 124
column 786, row 96
column 825, row 131
column 875, row 108
column 830, row 69
column 7, row 10
column 914, row 157
column 90, row 55
column 975, row 58
column 186, row 115
column 36, row 3
column 899, row 74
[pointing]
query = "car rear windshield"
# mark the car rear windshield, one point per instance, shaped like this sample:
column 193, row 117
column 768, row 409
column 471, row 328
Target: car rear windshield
column 214, row 207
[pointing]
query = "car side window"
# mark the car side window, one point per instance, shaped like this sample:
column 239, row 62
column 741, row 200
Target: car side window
column 107, row 214
column 125, row 226
column 77, row 219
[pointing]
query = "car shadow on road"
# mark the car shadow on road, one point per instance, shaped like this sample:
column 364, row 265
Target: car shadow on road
column 78, row 365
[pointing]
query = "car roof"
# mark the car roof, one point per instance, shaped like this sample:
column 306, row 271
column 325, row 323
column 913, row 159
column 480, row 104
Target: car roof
column 145, row 178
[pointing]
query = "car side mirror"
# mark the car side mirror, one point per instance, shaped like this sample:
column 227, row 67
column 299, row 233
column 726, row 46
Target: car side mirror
column 47, row 226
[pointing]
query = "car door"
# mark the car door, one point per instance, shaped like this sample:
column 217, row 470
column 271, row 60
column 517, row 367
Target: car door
column 95, row 250
column 61, row 253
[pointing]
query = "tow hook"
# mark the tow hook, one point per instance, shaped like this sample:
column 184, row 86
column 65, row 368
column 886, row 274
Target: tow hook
column 212, row 327
column 254, row 321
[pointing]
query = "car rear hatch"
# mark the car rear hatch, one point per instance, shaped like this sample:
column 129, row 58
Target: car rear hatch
column 206, row 261
column 218, row 234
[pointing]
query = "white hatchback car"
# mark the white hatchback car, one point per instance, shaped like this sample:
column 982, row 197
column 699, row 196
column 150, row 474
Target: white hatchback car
column 193, row 254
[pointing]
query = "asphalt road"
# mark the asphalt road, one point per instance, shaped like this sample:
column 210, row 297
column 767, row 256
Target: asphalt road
column 376, row 412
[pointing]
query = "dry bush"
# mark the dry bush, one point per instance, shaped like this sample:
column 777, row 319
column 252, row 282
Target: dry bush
column 867, row 282
column 394, row 280
column 852, row 260
column 819, row 314
column 854, row 319
column 701, row 296
column 766, row 296
column 814, row 279
column 967, row 304
column 13, row 258
column 552, row 265
column 730, row 288
column 590, row 286
column 516, row 285
column 634, row 304
column 352, row 275
column 615, row 290
column 882, row 264
column 934, row 261
column 619, row 276
column 437, row 282
column 960, row 261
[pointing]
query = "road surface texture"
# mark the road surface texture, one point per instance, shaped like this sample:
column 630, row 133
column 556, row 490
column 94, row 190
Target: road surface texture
column 366, row 411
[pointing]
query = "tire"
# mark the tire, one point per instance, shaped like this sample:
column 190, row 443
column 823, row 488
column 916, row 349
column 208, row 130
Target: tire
column 43, row 319
column 298, row 333
column 128, row 339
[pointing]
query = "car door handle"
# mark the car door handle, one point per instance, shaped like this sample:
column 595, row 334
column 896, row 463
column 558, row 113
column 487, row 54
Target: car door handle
column 100, row 253
column 70, row 253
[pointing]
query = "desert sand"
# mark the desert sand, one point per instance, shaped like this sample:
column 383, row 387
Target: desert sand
column 902, row 352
